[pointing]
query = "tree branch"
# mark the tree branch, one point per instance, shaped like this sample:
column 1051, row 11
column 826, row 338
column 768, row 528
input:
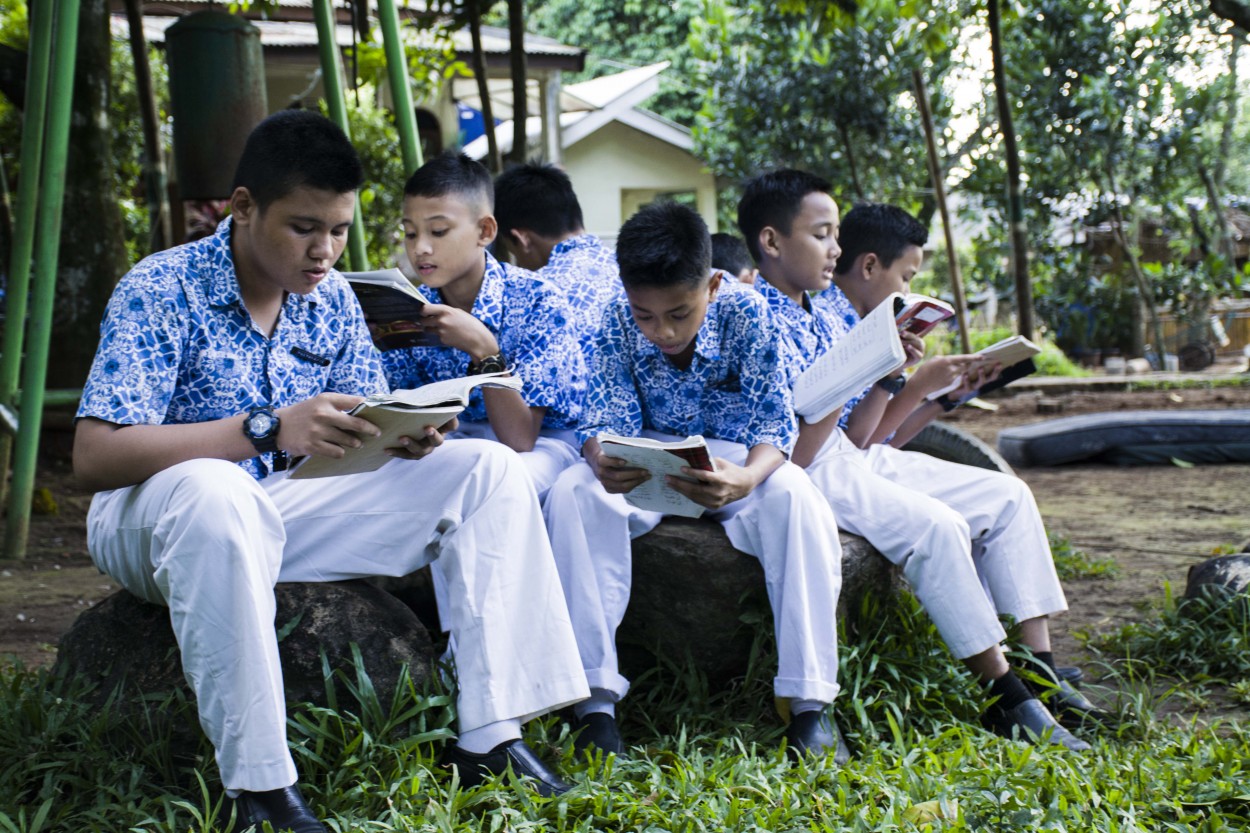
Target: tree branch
column 13, row 75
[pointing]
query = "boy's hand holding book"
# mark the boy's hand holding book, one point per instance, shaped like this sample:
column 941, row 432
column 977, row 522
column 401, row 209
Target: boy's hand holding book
column 714, row 489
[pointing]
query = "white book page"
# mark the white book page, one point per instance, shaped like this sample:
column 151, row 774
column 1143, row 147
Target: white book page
column 371, row 455
column 1007, row 352
column 446, row 391
column 655, row 494
column 385, row 277
column 870, row 351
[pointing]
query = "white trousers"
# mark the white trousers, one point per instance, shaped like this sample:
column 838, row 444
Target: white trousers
column 970, row 541
column 209, row 541
column 553, row 452
column 784, row 522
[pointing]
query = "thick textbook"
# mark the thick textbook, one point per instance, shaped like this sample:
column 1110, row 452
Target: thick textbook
column 661, row 458
column 401, row 413
column 871, row 350
column 392, row 308
column 1008, row 352
column 921, row 313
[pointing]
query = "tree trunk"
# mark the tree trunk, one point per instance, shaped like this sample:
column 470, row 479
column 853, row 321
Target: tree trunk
column 520, row 99
column 850, row 161
column 93, row 250
column 1230, row 116
column 1238, row 11
column 1015, row 198
column 1144, row 289
column 160, row 235
column 483, row 89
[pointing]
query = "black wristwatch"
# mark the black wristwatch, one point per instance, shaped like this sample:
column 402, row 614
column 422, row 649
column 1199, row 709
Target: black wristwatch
column 261, row 427
column 892, row 384
column 490, row 364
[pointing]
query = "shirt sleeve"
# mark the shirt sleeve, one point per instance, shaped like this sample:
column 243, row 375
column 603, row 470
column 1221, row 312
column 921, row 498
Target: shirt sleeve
column 135, row 371
column 611, row 396
column 764, row 372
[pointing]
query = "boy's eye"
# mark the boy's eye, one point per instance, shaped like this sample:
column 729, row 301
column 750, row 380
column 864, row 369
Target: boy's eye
column 682, row 317
column 410, row 235
column 438, row 232
column 302, row 229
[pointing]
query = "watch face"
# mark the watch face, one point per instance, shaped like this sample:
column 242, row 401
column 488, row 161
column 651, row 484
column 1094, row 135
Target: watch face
column 260, row 424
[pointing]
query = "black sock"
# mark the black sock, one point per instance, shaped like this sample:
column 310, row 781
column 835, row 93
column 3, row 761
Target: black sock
column 1010, row 691
column 1047, row 657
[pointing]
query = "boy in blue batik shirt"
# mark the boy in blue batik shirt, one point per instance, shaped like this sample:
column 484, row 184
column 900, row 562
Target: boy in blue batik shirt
column 220, row 358
column 950, row 527
column 689, row 353
column 540, row 225
column 489, row 316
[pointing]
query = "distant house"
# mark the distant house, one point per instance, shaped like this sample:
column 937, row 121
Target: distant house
column 618, row 155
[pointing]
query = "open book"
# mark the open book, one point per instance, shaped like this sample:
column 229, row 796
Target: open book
column 661, row 458
column 1008, row 352
column 392, row 308
column 401, row 413
column 870, row 351
column 921, row 313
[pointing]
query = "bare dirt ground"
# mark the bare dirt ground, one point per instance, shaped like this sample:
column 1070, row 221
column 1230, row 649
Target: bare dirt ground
column 1154, row 521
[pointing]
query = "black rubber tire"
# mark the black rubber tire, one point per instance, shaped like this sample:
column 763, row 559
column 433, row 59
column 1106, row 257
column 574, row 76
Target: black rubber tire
column 1131, row 437
column 946, row 442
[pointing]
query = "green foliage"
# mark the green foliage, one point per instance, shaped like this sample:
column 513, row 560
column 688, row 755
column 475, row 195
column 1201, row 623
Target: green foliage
column 1072, row 563
column 376, row 139
column 1050, row 362
column 628, row 34
column 701, row 759
column 1202, row 639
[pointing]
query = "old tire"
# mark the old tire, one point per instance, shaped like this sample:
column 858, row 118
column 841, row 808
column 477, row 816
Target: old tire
column 946, row 442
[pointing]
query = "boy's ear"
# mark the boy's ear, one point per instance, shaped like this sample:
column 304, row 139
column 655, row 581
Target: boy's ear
column 487, row 228
column 520, row 239
column 242, row 207
column 869, row 265
column 769, row 241
column 713, row 285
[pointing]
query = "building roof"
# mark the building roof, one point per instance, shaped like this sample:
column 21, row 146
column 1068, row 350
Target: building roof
column 290, row 27
column 594, row 104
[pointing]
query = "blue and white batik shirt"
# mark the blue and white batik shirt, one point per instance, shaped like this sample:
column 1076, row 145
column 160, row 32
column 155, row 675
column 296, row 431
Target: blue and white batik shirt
column 177, row 345
column 735, row 388
column 586, row 271
column 530, row 319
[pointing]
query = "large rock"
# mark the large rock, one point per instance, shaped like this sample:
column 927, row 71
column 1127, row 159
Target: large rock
column 1225, row 575
column 696, row 596
column 126, row 640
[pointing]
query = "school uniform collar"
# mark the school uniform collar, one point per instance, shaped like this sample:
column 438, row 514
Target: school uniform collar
column 214, row 261
column 581, row 241
column 780, row 303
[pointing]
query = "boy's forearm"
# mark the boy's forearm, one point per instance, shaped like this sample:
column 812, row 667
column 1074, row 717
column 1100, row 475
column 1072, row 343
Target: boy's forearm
column 915, row 423
column 812, row 438
column 109, row 456
column 897, row 411
column 762, row 461
column 515, row 424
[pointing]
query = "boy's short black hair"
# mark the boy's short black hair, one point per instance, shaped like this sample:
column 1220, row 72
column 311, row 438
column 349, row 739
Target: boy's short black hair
column 730, row 254
column 293, row 149
column 538, row 197
column 774, row 199
column 665, row 244
column 884, row 230
column 452, row 173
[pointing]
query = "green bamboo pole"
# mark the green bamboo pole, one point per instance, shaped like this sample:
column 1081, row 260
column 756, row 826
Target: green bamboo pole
column 24, row 230
column 333, row 83
column 51, row 198
column 401, row 94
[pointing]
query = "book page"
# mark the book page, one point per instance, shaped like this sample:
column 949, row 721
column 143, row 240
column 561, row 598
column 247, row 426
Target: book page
column 870, row 351
column 372, row 455
column 922, row 314
column 446, row 391
column 1008, row 352
column 655, row 494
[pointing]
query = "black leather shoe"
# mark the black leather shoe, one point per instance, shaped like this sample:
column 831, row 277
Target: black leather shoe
column 1072, row 708
column 1071, row 673
column 1031, row 721
column 285, row 809
column 813, row 733
column 475, row 768
column 597, row 731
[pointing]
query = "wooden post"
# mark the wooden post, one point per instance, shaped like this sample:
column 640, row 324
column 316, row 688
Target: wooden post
column 939, row 194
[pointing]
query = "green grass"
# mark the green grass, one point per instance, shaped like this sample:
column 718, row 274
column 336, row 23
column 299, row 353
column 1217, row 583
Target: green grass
column 1072, row 563
column 704, row 758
